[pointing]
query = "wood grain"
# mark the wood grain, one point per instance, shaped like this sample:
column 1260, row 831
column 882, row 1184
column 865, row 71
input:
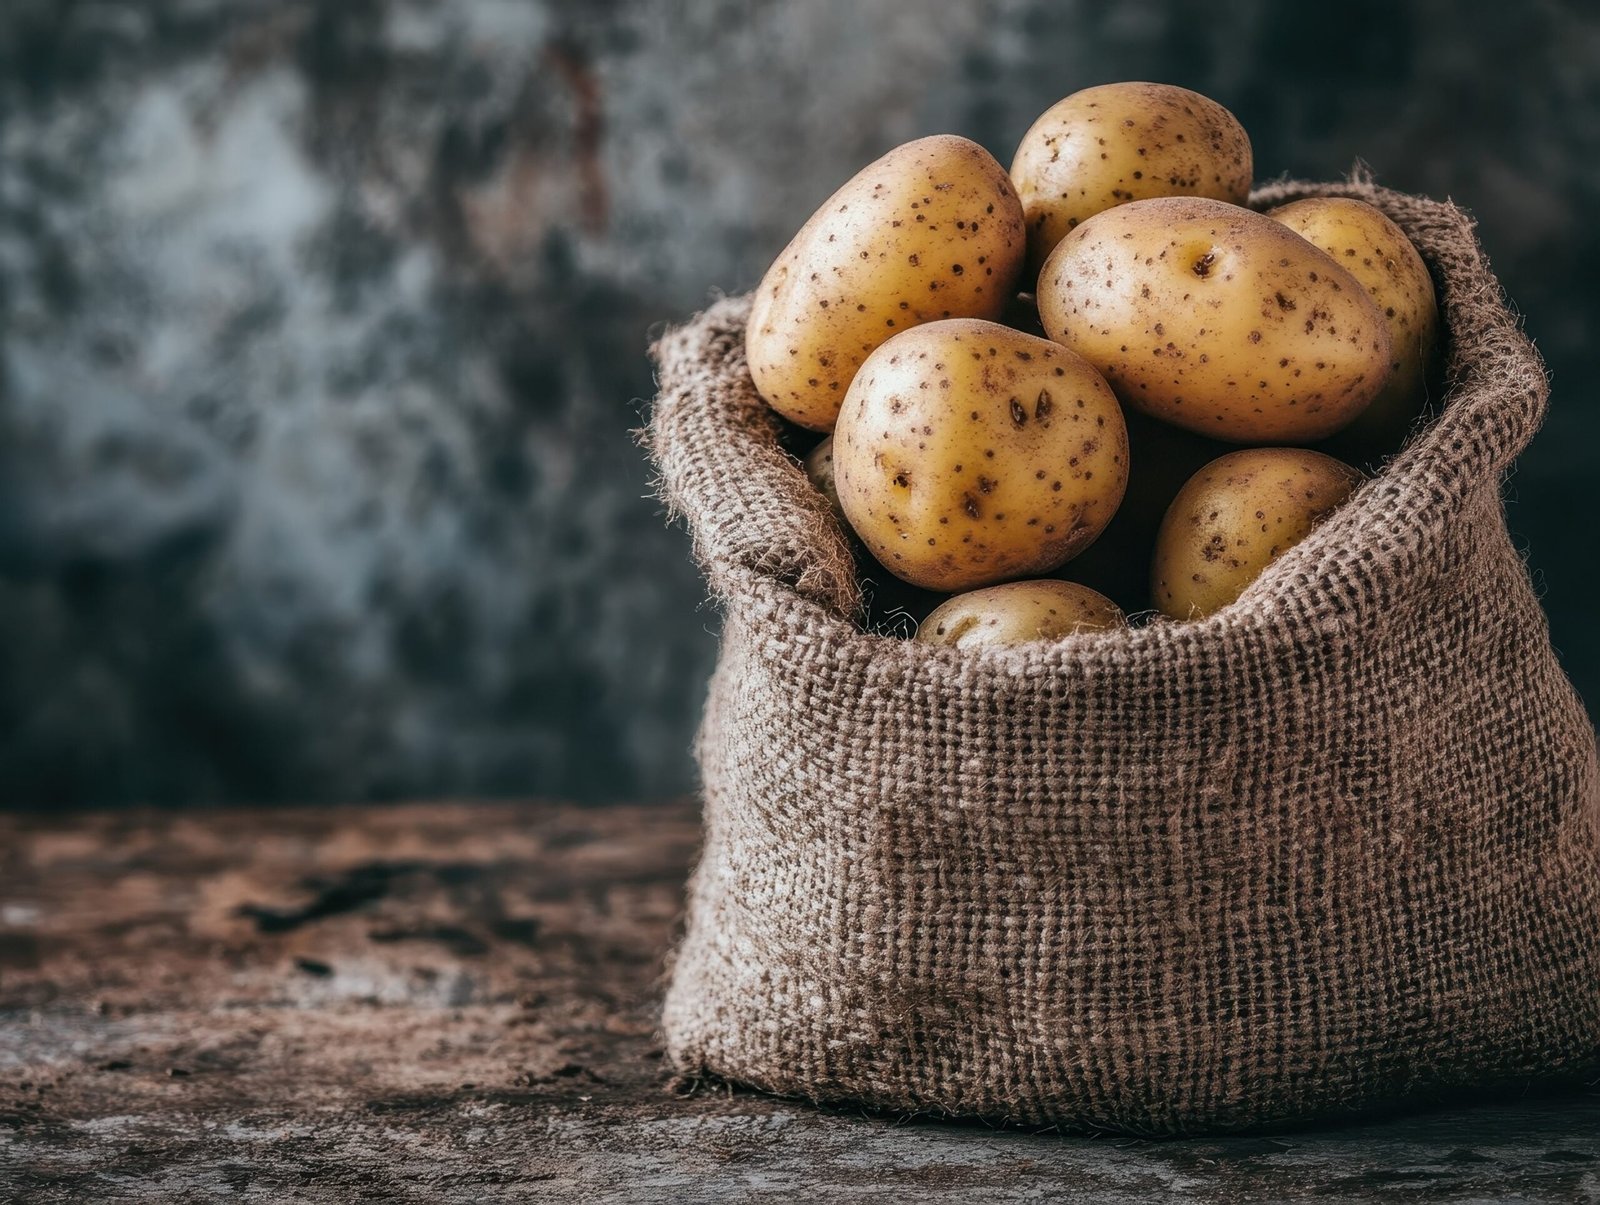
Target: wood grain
column 457, row 1002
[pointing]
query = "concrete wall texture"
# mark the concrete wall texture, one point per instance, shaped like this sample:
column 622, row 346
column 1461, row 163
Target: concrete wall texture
column 322, row 331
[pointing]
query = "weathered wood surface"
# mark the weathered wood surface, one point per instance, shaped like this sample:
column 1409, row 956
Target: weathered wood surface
column 457, row 1003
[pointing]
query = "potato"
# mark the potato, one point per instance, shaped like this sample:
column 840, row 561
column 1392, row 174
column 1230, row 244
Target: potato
column 932, row 230
column 1362, row 240
column 1217, row 319
column 1017, row 613
column 968, row 453
column 1234, row 517
column 1124, row 142
column 819, row 467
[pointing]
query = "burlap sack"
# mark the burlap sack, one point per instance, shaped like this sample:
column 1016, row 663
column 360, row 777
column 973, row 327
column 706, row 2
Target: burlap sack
column 1332, row 848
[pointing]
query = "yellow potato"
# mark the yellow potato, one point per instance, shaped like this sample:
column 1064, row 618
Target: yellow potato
column 1217, row 319
column 1234, row 517
column 968, row 453
column 819, row 467
column 932, row 230
column 1017, row 613
column 1362, row 240
column 1124, row 142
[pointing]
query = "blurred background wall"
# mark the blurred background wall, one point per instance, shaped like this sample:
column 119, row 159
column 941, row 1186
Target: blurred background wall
column 322, row 330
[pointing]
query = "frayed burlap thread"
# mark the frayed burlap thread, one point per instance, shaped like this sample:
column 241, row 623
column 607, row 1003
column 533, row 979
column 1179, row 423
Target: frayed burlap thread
column 1331, row 849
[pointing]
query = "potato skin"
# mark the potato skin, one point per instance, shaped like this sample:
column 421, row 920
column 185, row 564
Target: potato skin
column 932, row 230
column 1362, row 240
column 1124, row 142
column 1019, row 613
column 1234, row 517
column 1217, row 319
column 968, row 454
column 819, row 467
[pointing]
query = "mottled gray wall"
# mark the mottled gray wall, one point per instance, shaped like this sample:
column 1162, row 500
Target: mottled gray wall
column 322, row 330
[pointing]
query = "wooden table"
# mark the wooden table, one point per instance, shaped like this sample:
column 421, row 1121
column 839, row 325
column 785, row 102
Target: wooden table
column 457, row 1003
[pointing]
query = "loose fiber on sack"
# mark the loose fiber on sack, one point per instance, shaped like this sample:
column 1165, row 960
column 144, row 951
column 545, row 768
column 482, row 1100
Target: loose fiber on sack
column 1332, row 848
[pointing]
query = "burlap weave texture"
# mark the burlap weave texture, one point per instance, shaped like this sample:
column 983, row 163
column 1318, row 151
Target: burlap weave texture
column 1334, row 847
